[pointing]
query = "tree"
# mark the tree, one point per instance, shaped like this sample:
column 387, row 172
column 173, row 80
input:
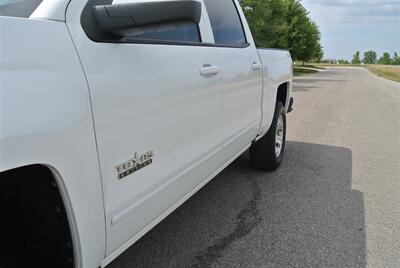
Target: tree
column 396, row 59
column 369, row 57
column 356, row 58
column 385, row 59
column 319, row 54
column 266, row 19
column 284, row 24
column 304, row 35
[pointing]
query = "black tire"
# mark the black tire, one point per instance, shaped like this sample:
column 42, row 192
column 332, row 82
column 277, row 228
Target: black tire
column 36, row 233
column 262, row 152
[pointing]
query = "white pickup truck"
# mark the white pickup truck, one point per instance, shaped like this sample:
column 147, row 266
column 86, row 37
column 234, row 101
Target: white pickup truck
column 113, row 113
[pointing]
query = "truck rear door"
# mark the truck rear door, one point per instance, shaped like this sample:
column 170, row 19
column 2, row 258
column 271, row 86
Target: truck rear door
column 241, row 73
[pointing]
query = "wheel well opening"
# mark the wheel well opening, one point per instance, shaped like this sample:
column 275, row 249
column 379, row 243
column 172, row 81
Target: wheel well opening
column 282, row 94
column 35, row 231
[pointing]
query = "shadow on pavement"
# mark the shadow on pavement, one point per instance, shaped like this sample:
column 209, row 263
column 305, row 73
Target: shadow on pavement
column 304, row 215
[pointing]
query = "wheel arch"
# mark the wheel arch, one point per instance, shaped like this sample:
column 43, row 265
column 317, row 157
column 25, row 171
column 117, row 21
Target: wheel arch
column 283, row 94
column 70, row 213
column 39, row 170
column 48, row 121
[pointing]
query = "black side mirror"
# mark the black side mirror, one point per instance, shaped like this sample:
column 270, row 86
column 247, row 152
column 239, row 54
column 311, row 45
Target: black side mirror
column 115, row 19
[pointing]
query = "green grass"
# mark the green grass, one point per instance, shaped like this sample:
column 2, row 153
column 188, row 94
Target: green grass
column 390, row 72
column 337, row 65
column 386, row 71
column 297, row 71
column 314, row 66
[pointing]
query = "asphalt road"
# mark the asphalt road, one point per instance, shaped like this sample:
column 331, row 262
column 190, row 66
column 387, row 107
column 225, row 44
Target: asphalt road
column 335, row 202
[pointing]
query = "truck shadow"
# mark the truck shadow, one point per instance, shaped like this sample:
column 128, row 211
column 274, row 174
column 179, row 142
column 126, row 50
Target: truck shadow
column 306, row 214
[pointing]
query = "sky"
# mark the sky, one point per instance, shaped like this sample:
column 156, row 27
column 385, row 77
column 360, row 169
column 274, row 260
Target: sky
column 350, row 25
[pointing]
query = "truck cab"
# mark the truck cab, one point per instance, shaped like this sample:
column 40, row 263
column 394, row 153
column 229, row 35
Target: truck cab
column 114, row 113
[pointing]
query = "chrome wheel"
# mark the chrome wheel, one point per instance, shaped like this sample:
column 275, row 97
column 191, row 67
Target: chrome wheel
column 279, row 136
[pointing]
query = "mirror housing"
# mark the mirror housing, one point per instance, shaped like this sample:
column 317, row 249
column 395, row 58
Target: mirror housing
column 115, row 19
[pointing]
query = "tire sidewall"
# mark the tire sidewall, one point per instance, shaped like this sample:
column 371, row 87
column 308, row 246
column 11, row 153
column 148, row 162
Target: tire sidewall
column 279, row 110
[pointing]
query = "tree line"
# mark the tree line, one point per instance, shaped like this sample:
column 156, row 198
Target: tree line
column 284, row 24
column 370, row 57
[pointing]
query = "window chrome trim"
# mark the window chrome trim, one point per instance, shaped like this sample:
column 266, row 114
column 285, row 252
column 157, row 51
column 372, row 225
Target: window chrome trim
column 171, row 43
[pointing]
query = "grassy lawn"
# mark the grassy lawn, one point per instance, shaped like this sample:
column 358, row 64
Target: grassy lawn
column 297, row 71
column 337, row 65
column 390, row 72
column 313, row 66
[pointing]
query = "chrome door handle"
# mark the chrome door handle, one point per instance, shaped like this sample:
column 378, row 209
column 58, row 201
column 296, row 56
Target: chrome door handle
column 256, row 66
column 209, row 70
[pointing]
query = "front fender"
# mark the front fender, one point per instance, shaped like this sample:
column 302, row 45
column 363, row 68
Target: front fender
column 46, row 118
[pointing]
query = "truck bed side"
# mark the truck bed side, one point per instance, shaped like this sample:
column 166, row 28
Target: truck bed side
column 277, row 74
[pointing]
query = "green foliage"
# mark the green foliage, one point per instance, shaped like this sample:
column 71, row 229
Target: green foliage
column 284, row 24
column 267, row 22
column 356, row 58
column 319, row 54
column 329, row 61
column 370, row 57
column 396, row 59
column 343, row 62
column 304, row 36
column 385, row 59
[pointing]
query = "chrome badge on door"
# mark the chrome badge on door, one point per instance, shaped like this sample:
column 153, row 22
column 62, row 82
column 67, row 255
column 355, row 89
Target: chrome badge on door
column 134, row 164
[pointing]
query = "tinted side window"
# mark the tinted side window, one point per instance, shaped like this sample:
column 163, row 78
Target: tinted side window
column 225, row 22
column 182, row 32
column 18, row 8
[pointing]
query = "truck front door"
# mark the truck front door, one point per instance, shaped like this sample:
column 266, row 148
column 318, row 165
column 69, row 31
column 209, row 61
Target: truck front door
column 157, row 106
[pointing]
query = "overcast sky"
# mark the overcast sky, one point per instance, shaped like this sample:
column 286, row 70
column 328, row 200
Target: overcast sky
column 350, row 25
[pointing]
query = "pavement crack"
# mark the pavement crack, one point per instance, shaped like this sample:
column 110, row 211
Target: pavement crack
column 248, row 218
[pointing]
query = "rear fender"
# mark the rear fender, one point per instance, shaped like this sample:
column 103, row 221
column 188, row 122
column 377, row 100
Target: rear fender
column 277, row 71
